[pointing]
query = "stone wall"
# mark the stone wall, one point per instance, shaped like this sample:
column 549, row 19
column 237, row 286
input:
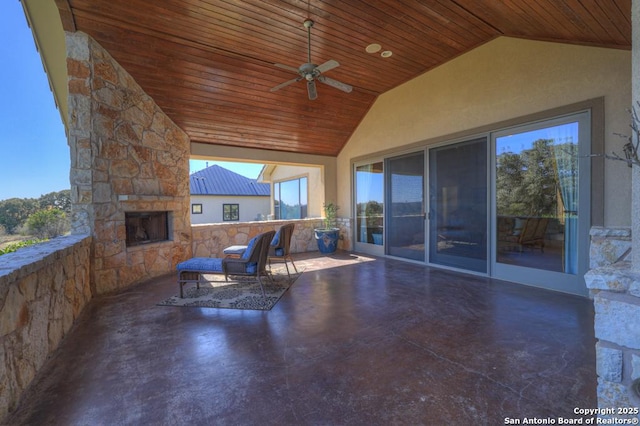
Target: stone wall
column 209, row 240
column 43, row 289
column 608, row 245
column 126, row 155
column 615, row 289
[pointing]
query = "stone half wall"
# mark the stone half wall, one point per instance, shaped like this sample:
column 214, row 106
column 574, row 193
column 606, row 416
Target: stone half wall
column 126, row 155
column 209, row 240
column 615, row 289
column 43, row 290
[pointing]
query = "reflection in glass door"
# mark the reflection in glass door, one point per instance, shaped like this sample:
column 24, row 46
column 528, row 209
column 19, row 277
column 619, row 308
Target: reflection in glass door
column 405, row 212
column 541, row 203
column 369, row 208
column 458, row 205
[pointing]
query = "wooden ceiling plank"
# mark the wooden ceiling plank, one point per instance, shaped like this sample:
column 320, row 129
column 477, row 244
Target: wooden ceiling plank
column 209, row 63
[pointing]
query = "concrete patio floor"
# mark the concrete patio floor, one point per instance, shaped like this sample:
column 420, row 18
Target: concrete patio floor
column 356, row 340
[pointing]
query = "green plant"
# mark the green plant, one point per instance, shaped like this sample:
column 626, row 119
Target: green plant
column 330, row 215
column 10, row 248
column 48, row 223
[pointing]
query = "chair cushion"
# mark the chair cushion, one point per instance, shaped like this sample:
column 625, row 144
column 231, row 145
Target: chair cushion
column 238, row 250
column 276, row 238
column 251, row 268
column 201, row 264
column 247, row 252
column 279, row 252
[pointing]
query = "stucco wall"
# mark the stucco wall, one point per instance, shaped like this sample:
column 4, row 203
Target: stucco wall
column 501, row 80
column 249, row 208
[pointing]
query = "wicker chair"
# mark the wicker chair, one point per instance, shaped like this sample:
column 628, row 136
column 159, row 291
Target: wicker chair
column 279, row 251
column 252, row 263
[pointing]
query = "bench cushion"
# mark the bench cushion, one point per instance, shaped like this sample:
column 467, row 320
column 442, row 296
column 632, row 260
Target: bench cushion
column 201, row 264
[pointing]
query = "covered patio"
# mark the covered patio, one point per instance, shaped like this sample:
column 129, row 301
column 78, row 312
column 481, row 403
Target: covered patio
column 356, row 340
column 142, row 88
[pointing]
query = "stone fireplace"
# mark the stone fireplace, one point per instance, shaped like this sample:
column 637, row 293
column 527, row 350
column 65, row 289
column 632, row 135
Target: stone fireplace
column 146, row 227
column 128, row 159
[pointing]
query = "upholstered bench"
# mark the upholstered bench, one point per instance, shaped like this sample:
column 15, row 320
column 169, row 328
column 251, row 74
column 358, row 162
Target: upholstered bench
column 190, row 271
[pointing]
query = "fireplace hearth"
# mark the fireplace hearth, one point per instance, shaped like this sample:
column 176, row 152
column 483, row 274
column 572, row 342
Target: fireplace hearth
column 146, row 227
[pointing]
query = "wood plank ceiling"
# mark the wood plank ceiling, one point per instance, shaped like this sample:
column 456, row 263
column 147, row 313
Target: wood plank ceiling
column 209, row 64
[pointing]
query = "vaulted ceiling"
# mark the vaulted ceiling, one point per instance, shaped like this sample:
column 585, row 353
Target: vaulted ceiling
column 209, row 64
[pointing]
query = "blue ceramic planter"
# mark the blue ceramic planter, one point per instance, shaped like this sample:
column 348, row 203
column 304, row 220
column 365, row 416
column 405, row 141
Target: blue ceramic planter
column 327, row 240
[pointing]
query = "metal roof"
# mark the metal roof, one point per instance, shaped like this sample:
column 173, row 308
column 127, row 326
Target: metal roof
column 216, row 180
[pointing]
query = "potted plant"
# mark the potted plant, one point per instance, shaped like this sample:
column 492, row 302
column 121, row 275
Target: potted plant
column 327, row 237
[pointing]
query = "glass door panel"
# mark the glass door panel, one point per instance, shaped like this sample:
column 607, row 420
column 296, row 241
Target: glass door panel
column 542, row 194
column 537, row 198
column 458, row 205
column 405, row 215
column 369, row 208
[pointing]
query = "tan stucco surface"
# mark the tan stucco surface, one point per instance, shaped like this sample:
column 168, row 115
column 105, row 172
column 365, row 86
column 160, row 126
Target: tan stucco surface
column 501, row 80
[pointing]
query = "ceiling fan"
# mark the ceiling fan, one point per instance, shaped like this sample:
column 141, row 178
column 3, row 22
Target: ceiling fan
column 312, row 72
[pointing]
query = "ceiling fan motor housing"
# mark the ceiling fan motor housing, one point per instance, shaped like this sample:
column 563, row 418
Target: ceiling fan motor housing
column 308, row 71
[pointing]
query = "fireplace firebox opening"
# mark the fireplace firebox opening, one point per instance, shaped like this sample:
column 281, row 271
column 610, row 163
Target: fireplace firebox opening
column 146, row 227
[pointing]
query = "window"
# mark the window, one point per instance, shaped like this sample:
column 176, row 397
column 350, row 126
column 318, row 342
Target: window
column 230, row 212
column 290, row 199
column 196, row 208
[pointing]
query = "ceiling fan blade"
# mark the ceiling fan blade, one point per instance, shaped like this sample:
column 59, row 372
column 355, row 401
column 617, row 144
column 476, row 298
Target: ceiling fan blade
column 286, row 83
column 287, row 67
column 329, row 65
column 335, row 83
column 311, row 89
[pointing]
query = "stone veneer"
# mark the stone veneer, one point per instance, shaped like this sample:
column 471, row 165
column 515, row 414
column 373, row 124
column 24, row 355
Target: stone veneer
column 615, row 289
column 43, row 289
column 126, row 155
column 209, row 240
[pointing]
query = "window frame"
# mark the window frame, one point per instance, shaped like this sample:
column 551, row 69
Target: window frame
column 230, row 216
column 303, row 212
column 196, row 208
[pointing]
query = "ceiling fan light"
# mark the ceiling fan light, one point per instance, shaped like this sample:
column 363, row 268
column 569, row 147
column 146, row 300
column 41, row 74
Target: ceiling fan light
column 386, row 53
column 373, row 48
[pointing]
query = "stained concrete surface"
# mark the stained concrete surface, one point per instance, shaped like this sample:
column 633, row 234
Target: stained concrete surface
column 356, row 340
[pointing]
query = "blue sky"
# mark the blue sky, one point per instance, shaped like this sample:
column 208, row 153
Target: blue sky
column 34, row 155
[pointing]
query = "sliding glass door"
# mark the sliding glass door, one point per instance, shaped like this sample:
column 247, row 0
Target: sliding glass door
column 369, row 207
column 458, row 205
column 542, row 203
column 405, row 200
column 513, row 204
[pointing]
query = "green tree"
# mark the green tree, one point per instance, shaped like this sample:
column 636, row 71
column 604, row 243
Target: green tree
column 48, row 223
column 526, row 182
column 14, row 211
column 59, row 200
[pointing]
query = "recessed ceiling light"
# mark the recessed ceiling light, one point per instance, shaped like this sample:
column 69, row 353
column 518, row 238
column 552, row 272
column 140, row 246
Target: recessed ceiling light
column 373, row 48
column 386, row 53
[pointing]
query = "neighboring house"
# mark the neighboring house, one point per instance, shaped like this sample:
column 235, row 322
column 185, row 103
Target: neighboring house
column 220, row 195
column 297, row 191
